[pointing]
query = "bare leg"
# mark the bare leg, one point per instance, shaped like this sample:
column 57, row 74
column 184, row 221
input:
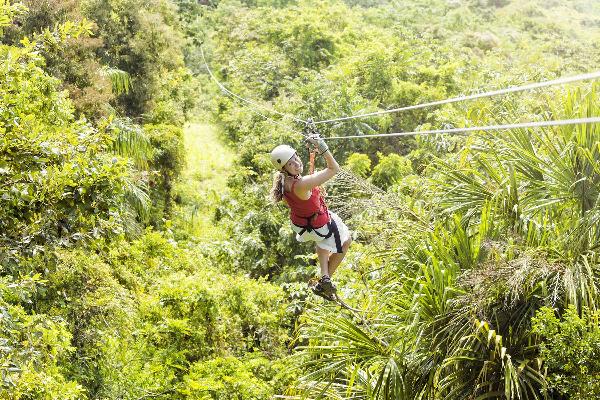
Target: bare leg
column 336, row 259
column 323, row 260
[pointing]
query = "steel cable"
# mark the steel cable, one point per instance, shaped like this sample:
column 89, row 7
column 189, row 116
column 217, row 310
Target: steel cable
column 577, row 121
column 514, row 89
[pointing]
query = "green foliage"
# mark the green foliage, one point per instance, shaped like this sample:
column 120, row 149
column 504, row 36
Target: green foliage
column 201, row 315
column 155, row 255
column 167, row 143
column 121, row 81
column 60, row 183
column 84, row 291
column 142, row 39
column 250, row 377
column 492, row 227
column 73, row 61
column 134, row 62
column 535, row 176
column 229, row 378
column 455, row 302
column 451, row 263
column 390, row 170
column 75, row 302
column 33, row 347
column 8, row 11
column 166, row 161
column 310, row 44
column 359, row 164
column 190, row 313
column 570, row 349
column 260, row 244
column 138, row 317
column 130, row 140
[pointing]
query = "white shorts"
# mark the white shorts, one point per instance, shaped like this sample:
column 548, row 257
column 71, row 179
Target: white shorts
column 329, row 243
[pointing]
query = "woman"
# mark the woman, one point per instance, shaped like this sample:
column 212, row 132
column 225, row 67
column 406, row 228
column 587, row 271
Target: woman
column 311, row 220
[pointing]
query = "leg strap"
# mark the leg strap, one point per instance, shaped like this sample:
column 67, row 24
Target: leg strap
column 332, row 229
column 336, row 235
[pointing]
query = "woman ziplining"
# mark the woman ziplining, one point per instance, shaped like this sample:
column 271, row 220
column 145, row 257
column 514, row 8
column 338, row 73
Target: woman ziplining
column 310, row 218
column 286, row 186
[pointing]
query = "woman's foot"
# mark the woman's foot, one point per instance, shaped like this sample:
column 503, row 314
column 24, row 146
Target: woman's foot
column 322, row 288
column 326, row 284
column 319, row 291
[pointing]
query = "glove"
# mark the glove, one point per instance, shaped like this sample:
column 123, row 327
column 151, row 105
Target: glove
column 319, row 143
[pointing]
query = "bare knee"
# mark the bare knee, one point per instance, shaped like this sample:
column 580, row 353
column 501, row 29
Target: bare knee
column 346, row 244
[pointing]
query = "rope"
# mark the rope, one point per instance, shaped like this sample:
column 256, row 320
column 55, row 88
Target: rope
column 513, row 89
column 577, row 121
column 252, row 103
column 311, row 162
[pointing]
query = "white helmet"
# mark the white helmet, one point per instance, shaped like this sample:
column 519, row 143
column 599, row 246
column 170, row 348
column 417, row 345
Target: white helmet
column 281, row 155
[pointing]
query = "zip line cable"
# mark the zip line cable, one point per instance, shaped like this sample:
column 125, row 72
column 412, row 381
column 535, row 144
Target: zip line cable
column 560, row 122
column 512, row 89
column 252, row 103
column 230, row 93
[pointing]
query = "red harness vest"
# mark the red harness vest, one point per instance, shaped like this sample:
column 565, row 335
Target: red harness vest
column 307, row 213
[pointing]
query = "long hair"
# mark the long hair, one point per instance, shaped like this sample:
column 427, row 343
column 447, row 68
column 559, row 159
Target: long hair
column 278, row 187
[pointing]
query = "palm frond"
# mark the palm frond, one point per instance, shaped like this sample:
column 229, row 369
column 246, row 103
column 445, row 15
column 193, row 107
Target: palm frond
column 131, row 141
column 120, row 80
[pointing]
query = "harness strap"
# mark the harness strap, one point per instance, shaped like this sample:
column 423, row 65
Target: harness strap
column 332, row 229
column 336, row 235
column 311, row 162
column 309, row 228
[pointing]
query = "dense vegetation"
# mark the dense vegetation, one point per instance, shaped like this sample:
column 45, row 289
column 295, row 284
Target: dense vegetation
column 127, row 273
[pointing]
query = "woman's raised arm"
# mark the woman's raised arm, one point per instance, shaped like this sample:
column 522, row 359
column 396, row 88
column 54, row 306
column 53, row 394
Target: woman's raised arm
column 307, row 183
